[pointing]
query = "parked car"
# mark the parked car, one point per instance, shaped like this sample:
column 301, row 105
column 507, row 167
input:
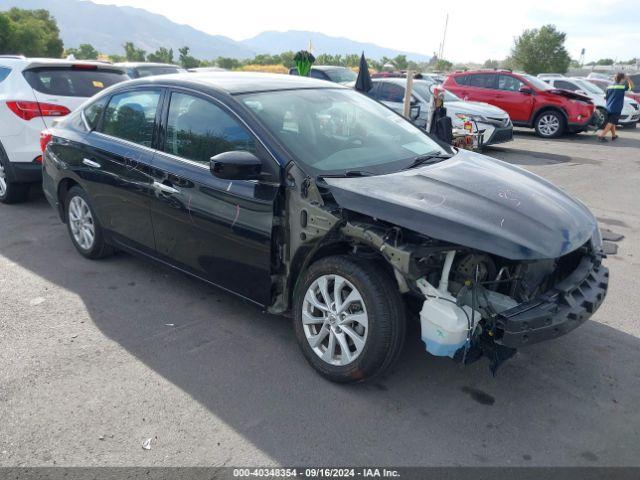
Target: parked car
column 603, row 84
column 147, row 69
column 630, row 112
column 529, row 101
column 330, row 73
column 206, row 69
column 494, row 121
column 305, row 196
column 33, row 93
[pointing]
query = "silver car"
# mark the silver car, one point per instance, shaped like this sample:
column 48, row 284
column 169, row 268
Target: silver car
column 494, row 121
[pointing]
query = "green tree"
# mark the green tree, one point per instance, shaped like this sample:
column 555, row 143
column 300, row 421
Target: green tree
column 605, row 61
column 489, row 63
column 162, row 55
column 287, row 59
column 443, row 65
column 227, row 63
column 133, row 54
column 541, row 51
column 186, row 60
column 85, row 51
column 117, row 58
column 400, row 61
column 30, row 32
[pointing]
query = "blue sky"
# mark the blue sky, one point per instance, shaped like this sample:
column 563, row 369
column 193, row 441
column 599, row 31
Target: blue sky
column 477, row 30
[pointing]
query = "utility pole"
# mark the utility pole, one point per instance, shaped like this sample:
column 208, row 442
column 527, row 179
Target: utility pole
column 408, row 92
column 444, row 36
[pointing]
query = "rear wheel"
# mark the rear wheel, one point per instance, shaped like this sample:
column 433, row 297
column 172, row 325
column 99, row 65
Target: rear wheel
column 349, row 318
column 11, row 192
column 549, row 124
column 84, row 229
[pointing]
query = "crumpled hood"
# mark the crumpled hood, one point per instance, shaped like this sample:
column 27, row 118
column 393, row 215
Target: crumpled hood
column 570, row 94
column 474, row 201
column 476, row 108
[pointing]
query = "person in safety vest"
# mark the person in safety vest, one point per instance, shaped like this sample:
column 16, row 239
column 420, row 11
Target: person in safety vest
column 615, row 102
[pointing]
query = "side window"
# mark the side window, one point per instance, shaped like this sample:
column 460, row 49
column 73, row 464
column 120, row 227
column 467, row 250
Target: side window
column 198, row 130
column 94, row 111
column 462, row 79
column 317, row 74
column 483, row 80
column 509, row 83
column 4, row 73
column 390, row 92
column 565, row 85
column 131, row 116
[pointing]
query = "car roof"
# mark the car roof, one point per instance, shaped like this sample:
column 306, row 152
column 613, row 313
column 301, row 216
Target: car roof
column 53, row 62
column 329, row 67
column 145, row 64
column 241, row 82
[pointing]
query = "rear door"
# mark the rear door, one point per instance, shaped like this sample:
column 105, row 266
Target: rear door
column 70, row 85
column 480, row 87
column 509, row 98
column 217, row 229
column 116, row 163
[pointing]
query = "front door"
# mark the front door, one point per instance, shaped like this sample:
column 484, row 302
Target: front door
column 512, row 100
column 116, row 166
column 217, row 229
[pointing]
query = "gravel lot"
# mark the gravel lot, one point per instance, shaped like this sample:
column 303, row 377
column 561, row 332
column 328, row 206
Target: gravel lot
column 99, row 356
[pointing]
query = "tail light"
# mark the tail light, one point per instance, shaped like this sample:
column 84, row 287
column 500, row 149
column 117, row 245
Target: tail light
column 45, row 138
column 28, row 110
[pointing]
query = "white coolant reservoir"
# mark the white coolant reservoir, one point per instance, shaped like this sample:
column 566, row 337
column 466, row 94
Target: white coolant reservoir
column 444, row 324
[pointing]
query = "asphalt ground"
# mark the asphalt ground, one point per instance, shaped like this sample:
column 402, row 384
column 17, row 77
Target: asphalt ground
column 97, row 357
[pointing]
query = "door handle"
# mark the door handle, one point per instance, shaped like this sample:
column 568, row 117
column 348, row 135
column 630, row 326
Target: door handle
column 165, row 188
column 91, row 163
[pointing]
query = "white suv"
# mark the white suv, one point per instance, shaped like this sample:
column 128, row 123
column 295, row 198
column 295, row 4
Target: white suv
column 33, row 93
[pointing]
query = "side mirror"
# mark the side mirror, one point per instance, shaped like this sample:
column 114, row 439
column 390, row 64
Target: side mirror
column 526, row 90
column 236, row 165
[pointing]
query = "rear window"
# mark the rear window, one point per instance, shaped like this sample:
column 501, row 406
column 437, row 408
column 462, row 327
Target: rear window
column 69, row 82
column 4, row 73
column 150, row 71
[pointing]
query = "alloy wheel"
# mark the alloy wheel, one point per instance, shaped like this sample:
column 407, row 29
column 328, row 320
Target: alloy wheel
column 549, row 125
column 3, row 182
column 335, row 320
column 81, row 221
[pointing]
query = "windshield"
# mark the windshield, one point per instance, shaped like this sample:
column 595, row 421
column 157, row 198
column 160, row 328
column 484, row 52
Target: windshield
column 536, row 82
column 341, row 75
column 336, row 131
column 589, row 87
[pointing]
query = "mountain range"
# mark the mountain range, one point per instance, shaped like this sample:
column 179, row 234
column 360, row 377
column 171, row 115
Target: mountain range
column 108, row 27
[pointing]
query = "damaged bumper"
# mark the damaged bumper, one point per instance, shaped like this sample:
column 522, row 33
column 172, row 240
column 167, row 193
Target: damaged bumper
column 566, row 306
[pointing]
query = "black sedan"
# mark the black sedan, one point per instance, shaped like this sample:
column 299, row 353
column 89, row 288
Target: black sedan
column 303, row 196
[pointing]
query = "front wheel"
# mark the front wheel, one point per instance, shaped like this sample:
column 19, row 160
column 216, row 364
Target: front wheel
column 84, row 229
column 600, row 117
column 349, row 318
column 549, row 124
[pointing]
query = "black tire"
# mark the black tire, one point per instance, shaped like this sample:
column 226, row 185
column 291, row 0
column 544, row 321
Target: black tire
column 98, row 248
column 631, row 125
column 544, row 118
column 603, row 122
column 386, row 318
column 11, row 192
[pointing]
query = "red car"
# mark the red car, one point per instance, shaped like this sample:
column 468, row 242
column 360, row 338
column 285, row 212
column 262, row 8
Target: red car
column 529, row 101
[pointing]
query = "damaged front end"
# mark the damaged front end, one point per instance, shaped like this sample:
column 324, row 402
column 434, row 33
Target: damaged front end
column 485, row 273
column 488, row 306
